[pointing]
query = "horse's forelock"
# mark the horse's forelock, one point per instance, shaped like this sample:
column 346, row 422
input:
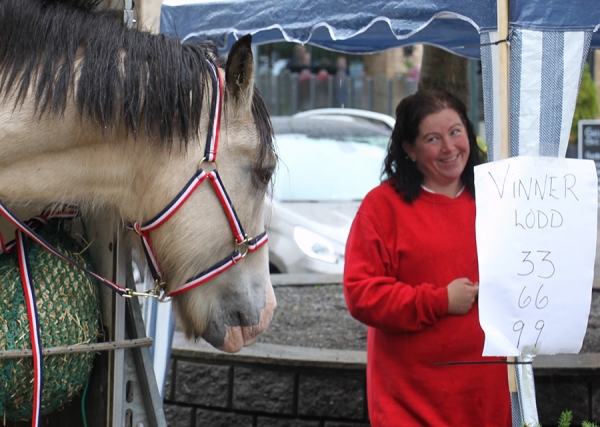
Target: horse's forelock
column 263, row 126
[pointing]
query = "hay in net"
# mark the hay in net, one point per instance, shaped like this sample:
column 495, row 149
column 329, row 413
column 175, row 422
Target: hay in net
column 68, row 309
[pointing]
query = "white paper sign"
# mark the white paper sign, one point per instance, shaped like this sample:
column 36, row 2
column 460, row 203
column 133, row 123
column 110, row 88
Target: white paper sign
column 536, row 243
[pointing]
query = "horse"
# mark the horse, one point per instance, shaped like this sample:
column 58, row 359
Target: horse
column 100, row 115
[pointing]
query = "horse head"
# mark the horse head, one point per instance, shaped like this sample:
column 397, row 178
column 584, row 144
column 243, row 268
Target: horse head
column 91, row 113
column 232, row 308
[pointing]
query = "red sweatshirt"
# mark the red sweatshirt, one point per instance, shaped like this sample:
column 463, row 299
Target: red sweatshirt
column 399, row 260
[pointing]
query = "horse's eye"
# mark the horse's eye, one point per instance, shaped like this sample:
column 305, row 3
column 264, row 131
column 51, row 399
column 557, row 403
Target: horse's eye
column 262, row 176
column 265, row 175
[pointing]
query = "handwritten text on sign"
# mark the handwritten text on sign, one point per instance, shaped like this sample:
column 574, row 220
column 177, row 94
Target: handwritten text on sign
column 536, row 242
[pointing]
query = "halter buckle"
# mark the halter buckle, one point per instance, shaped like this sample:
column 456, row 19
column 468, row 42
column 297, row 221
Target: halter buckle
column 204, row 159
column 245, row 243
column 149, row 293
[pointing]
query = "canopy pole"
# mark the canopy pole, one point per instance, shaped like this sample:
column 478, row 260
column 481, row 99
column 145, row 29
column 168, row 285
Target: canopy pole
column 502, row 11
column 502, row 15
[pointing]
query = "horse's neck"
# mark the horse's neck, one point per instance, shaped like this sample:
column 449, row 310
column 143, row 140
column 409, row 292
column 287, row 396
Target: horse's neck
column 61, row 160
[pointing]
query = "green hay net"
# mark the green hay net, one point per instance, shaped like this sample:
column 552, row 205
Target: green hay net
column 68, row 309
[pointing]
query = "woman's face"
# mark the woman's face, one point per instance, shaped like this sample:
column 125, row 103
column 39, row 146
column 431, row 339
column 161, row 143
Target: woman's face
column 441, row 150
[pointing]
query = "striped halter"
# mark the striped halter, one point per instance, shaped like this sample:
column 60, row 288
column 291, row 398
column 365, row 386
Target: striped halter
column 244, row 244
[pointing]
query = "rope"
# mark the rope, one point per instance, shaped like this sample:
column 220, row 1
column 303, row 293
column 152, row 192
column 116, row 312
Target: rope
column 79, row 348
column 34, row 331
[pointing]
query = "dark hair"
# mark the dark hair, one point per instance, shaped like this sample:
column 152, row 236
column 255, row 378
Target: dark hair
column 410, row 112
column 60, row 50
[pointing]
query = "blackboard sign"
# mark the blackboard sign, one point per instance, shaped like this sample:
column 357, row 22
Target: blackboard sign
column 589, row 142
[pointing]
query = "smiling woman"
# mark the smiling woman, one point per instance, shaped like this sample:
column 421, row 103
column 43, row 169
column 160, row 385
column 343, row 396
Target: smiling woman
column 411, row 275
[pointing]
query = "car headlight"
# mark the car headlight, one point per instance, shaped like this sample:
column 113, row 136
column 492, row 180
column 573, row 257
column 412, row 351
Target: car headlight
column 316, row 246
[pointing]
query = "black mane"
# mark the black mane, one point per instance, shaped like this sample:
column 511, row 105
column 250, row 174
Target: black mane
column 125, row 76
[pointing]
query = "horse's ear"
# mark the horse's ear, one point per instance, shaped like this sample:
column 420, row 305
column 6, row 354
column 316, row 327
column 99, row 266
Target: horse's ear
column 239, row 72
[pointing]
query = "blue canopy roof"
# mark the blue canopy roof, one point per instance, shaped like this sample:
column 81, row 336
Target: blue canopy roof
column 370, row 25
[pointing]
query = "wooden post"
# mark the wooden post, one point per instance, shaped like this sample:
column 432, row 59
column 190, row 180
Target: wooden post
column 502, row 10
column 502, row 15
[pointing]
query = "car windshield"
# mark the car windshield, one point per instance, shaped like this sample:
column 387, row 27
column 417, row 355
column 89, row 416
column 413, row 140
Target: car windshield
column 328, row 160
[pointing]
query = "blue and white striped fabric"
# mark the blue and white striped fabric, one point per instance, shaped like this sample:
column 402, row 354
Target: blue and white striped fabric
column 545, row 73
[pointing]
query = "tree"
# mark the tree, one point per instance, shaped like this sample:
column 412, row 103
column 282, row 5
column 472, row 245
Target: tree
column 587, row 103
column 442, row 69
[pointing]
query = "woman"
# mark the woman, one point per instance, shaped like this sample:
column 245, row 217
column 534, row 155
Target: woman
column 411, row 275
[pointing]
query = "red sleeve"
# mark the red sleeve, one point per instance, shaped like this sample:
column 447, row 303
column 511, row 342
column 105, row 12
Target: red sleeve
column 374, row 296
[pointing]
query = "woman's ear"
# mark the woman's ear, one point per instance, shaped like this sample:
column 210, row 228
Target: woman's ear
column 409, row 150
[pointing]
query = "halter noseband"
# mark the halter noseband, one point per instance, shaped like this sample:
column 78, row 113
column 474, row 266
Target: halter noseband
column 244, row 244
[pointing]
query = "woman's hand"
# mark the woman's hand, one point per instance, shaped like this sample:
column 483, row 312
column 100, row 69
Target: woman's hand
column 461, row 295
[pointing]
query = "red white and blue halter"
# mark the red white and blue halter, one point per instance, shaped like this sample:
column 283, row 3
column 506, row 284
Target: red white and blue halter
column 243, row 243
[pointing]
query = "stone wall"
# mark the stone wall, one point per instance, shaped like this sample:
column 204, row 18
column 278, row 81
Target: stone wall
column 269, row 385
column 247, row 390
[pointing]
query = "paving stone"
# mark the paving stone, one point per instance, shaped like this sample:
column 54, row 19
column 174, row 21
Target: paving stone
column 206, row 418
column 335, row 396
column 178, row 416
column 202, row 384
column 263, row 390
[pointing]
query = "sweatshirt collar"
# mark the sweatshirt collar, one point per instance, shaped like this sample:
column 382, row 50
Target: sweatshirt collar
column 433, row 192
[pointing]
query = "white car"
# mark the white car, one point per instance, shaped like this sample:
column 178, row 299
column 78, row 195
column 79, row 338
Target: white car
column 329, row 160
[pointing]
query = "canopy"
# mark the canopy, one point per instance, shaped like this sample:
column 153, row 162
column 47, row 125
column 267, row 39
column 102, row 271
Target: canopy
column 549, row 44
column 371, row 25
column 549, row 40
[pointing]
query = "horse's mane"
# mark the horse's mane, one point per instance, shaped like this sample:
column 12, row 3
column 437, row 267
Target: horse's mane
column 124, row 76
